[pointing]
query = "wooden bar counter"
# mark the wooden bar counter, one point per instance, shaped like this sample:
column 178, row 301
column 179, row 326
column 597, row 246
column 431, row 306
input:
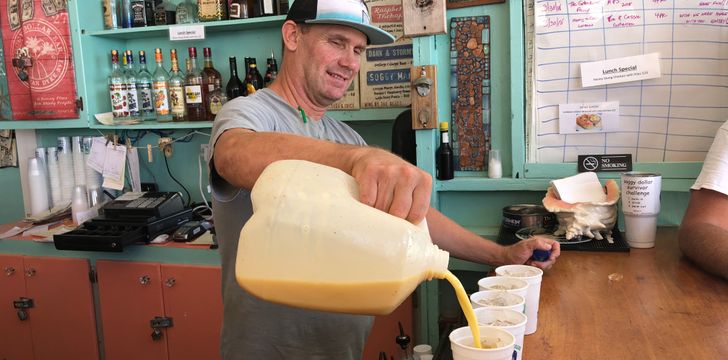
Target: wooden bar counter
column 657, row 305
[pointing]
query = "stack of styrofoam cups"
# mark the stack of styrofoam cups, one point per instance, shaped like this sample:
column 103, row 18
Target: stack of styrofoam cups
column 422, row 352
column 38, row 187
column 65, row 167
column 54, row 176
column 506, row 319
column 497, row 344
column 497, row 299
column 505, row 283
column 532, row 275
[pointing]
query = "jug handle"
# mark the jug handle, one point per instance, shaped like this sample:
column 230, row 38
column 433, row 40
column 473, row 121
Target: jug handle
column 423, row 226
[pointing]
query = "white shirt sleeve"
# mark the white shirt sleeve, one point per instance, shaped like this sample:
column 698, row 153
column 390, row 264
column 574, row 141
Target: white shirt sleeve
column 714, row 175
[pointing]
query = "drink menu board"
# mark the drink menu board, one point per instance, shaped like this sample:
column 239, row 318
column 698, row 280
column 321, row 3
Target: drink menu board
column 670, row 118
column 384, row 78
column 38, row 56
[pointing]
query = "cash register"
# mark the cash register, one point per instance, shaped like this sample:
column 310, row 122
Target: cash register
column 132, row 217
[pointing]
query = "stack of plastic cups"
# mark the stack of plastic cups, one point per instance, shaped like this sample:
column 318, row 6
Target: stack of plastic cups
column 79, row 166
column 79, row 202
column 54, row 176
column 93, row 177
column 38, row 186
column 40, row 154
column 65, row 167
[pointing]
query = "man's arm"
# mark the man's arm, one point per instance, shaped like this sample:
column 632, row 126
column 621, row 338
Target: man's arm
column 385, row 181
column 704, row 231
column 466, row 245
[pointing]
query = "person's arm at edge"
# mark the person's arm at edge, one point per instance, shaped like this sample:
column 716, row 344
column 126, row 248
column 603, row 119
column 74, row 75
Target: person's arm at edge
column 466, row 245
column 703, row 235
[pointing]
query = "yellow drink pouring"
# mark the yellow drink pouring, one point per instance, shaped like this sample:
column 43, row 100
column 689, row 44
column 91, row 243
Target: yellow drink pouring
column 311, row 244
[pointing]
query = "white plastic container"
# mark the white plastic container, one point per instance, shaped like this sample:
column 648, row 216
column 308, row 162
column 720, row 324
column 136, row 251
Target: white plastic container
column 461, row 343
column 312, row 244
column 510, row 320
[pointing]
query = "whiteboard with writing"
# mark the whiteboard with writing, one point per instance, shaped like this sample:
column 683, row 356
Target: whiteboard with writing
column 668, row 119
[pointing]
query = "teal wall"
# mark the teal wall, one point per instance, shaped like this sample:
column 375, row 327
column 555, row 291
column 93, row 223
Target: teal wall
column 12, row 197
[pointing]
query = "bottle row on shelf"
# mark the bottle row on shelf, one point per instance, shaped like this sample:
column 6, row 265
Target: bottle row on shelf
column 139, row 13
column 137, row 94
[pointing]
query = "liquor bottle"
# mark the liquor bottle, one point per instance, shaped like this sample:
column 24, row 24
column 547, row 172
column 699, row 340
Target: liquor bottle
column 445, row 168
column 194, row 91
column 186, row 12
column 212, row 81
column 266, row 7
column 111, row 14
column 271, row 73
column 234, row 87
column 126, row 14
column 254, row 78
column 131, row 85
column 144, row 88
column 138, row 13
column 164, row 13
column 149, row 11
column 239, row 9
column 212, row 10
column 117, row 89
column 160, row 89
column 283, row 7
column 176, row 89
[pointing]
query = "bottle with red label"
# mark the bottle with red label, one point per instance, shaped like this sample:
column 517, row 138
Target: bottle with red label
column 117, row 89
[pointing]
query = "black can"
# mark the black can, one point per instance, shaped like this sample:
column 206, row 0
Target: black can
column 516, row 217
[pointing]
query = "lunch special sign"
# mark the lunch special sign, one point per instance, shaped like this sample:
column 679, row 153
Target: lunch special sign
column 38, row 57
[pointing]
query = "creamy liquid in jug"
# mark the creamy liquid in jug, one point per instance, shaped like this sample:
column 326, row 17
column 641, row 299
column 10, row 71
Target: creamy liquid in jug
column 354, row 297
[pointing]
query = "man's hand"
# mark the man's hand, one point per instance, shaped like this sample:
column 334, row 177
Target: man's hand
column 393, row 185
column 520, row 252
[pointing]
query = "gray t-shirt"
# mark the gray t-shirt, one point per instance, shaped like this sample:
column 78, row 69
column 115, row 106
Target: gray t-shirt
column 253, row 328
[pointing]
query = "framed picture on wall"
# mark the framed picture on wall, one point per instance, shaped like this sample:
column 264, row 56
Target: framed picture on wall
column 454, row 4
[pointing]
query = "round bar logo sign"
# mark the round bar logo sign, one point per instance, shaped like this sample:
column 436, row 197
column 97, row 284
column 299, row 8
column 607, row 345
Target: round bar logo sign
column 47, row 49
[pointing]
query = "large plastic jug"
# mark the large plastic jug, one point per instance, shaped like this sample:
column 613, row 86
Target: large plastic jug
column 311, row 244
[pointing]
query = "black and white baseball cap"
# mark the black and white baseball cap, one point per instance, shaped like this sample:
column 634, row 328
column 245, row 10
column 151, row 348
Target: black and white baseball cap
column 352, row 13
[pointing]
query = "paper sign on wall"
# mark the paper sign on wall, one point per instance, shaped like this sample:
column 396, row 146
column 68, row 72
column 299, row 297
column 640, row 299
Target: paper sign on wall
column 619, row 70
column 584, row 118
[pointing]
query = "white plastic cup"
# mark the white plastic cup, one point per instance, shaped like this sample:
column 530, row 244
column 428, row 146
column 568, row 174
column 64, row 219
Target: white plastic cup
column 487, row 316
column 425, row 357
column 38, row 186
column 495, row 169
column 533, row 276
column 79, row 202
column 462, row 345
column 422, row 350
column 504, row 283
column 640, row 205
column 512, row 301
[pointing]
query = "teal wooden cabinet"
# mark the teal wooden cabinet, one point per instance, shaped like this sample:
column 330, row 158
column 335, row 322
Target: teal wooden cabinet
column 254, row 37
